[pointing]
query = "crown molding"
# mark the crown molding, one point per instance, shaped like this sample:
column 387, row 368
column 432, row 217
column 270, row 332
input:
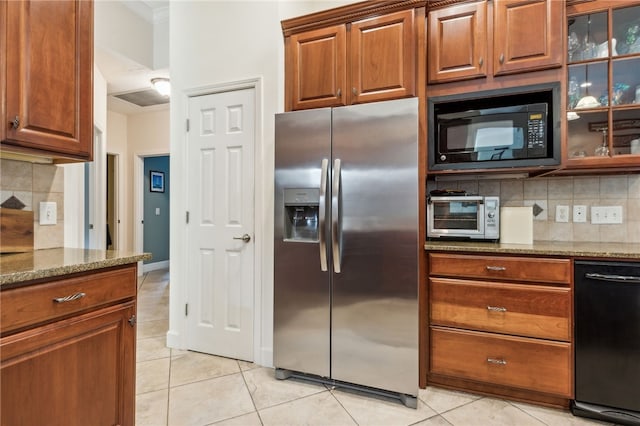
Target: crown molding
column 345, row 14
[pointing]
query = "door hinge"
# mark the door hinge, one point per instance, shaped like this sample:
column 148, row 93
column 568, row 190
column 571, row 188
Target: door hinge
column 188, row 125
column 186, row 309
column 187, row 217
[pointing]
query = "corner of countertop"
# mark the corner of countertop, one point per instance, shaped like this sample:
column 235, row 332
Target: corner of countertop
column 47, row 263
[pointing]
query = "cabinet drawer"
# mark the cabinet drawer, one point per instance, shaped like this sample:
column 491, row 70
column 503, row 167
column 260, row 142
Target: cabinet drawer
column 519, row 362
column 501, row 267
column 34, row 304
column 520, row 309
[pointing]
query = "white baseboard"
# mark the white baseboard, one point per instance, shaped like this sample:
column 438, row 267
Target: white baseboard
column 148, row 267
column 266, row 360
column 174, row 340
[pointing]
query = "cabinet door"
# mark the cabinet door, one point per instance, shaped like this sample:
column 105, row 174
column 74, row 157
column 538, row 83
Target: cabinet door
column 79, row 371
column 527, row 35
column 382, row 58
column 318, row 68
column 458, row 42
column 49, row 77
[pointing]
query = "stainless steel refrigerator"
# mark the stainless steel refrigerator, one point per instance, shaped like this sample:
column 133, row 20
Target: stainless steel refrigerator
column 346, row 246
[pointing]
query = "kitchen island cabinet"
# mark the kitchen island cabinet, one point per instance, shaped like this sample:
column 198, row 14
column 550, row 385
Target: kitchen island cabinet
column 46, row 86
column 67, row 341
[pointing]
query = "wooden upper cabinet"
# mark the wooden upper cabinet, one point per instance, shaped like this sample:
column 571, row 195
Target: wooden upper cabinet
column 382, row 58
column 47, row 90
column 527, row 35
column 524, row 35
column 355, row 61
column 458, row 42
column 318, row 67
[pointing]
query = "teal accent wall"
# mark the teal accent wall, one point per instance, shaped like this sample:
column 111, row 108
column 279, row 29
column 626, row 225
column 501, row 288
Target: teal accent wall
column 156, row 227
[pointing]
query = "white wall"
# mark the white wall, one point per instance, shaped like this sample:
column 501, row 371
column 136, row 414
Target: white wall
column 117, row 144
column 74, row 173
column 118, row 29
column 214, row 43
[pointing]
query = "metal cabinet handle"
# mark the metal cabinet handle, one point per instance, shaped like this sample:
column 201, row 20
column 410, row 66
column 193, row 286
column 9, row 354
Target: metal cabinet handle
column 69, row 298
column 481, row 61
column 354, row 90
column 335, row 218
column 246, row 238
column 501, row 58
column 496, row 268
column 496, row 309
column 322, row 209
column 339, row 93
column 497, row 361
column 613, row 278
column 15, row 123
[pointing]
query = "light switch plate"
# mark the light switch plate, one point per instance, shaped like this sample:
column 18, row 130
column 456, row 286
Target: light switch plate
column 48, row 213
column 562, row 213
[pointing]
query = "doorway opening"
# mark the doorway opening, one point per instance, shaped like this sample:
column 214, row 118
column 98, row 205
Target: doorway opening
column 113, row 217
column 142, row 207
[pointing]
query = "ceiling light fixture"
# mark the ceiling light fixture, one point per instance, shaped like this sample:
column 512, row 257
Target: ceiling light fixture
column 162, row 85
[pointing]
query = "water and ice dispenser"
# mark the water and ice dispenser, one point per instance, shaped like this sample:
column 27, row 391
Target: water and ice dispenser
column 301, row 214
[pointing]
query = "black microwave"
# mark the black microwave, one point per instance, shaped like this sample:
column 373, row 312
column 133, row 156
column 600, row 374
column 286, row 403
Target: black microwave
column 506, row 128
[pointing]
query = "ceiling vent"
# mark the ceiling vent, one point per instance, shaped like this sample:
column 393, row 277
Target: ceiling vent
column 144, row 98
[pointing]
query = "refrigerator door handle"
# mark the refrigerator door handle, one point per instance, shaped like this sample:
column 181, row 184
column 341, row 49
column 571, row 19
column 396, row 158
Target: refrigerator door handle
column 335, row 218
column 322, row 238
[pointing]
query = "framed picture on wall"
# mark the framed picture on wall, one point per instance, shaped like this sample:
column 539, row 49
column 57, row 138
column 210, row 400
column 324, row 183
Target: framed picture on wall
column 156, row 180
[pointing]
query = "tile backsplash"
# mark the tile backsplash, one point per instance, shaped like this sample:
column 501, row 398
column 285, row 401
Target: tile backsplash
column 31, row 184
column 547, row 193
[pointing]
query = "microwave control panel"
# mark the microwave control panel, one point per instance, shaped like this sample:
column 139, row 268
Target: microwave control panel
column 536, row 146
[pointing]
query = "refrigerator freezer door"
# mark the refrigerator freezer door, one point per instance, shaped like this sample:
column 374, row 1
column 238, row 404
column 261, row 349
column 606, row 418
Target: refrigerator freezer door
column 301, row 288
column 375, row 295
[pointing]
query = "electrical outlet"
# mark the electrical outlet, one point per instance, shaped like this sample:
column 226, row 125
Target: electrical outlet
column 48, row 213
column 579, row 214
column 562, row 213
column 606, row 214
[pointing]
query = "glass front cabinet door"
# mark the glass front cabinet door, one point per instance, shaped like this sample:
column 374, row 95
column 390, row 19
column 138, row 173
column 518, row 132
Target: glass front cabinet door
column 603, row 84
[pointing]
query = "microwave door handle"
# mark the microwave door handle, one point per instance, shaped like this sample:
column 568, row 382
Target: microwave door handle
column 335, row 219
column 322, row 206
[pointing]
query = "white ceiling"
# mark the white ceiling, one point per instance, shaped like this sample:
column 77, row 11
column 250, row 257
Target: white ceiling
column 124, row 75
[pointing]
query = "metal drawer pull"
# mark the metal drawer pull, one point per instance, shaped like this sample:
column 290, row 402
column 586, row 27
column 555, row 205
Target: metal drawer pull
column 496, row 361
column 496, row 309
column 496, row 268
column 69, row 298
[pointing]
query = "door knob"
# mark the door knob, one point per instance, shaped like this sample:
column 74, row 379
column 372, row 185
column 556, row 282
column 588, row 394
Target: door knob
column 246, row 238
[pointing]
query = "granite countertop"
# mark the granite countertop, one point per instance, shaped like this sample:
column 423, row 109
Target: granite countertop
column 37, row 264
column 550, row 248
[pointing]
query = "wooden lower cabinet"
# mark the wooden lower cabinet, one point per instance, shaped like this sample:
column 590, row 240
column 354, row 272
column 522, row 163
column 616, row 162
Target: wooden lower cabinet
column 502, row 325
column 76, row 370
column 530, row 364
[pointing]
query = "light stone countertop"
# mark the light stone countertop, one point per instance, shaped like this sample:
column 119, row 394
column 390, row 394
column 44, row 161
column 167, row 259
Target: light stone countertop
column 39, row 264
column 604, row 251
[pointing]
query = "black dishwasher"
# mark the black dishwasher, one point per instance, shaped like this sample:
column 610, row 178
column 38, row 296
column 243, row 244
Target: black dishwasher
column 607, row 341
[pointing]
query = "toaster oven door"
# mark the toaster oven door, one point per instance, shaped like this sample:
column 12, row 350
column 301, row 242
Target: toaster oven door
column 455, row 217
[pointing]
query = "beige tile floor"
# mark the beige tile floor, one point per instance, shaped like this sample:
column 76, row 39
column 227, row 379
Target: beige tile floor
column 182, row 388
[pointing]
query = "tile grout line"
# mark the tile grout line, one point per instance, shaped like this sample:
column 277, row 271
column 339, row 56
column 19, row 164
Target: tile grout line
column 246, row 385
column 343, row 407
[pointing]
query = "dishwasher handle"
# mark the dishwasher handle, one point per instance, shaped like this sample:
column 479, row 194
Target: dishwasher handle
column 613, row 278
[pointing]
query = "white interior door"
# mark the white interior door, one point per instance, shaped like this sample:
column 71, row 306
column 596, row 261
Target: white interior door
column 221, row 223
